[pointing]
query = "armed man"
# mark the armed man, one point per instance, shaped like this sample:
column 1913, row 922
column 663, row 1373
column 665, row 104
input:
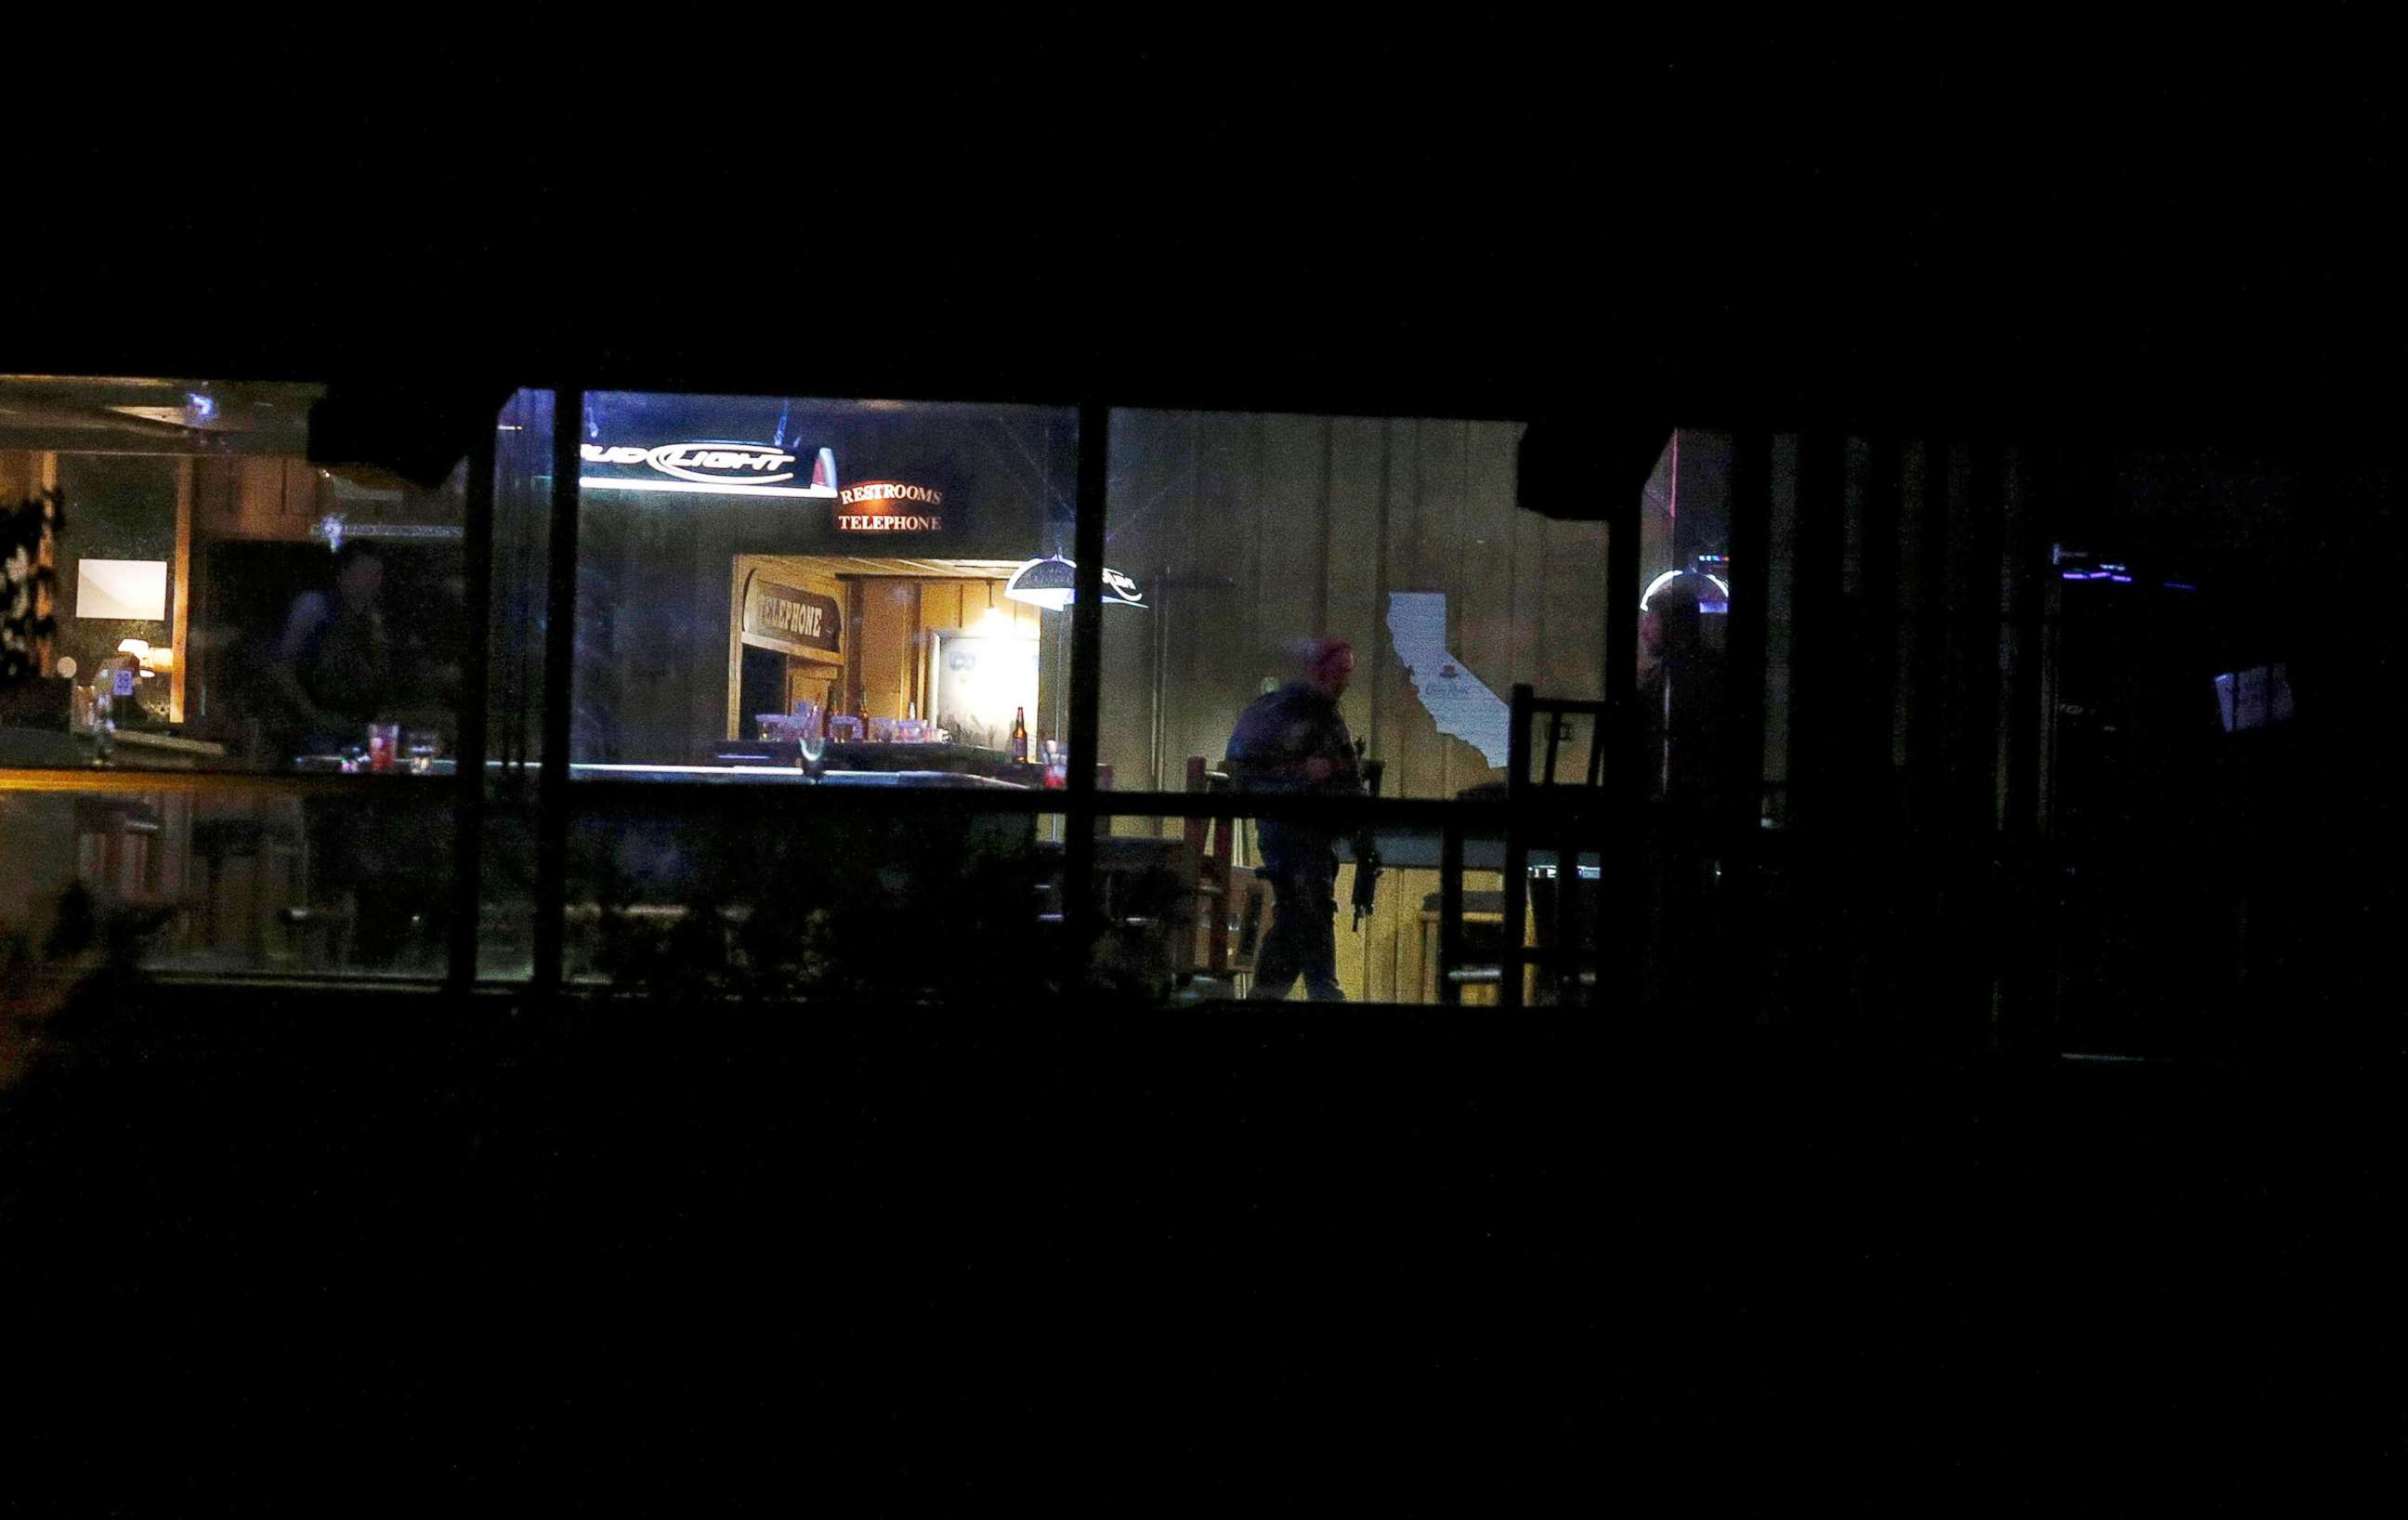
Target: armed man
column 1291, row 742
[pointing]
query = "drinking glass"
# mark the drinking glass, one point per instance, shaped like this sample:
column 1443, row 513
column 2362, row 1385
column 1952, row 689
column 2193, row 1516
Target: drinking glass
column 422, row 746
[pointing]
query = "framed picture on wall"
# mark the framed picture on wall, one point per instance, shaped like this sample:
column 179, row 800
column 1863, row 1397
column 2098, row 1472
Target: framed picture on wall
column 981, row 682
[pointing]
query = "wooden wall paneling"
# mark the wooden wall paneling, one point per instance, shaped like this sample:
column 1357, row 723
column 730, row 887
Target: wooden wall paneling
column 1530, row 626
column 944, row 605
column 179, row 635
column 1407, row 736
column 211, row 491
column 1437, row 540
column 1215, row 625
column 299, row 503
column 1289, row 592
column 1183, row 623
column 915, row 654
column 890, row 610
column 1356, row 451
column 1409, row 964
column 1203, row 622
column 936, row 600
column 1133, row 535
column 738, row 571
column 259, row 489
column 1289, row 595
column 849, row 698
column 1210, row 669
column 1572, row 662
column 1181, row 547
column 48, row 603
column 1485, row 582
column 259, row 496
column 1121, row 732
column 1290, row 566
column 1484, row 637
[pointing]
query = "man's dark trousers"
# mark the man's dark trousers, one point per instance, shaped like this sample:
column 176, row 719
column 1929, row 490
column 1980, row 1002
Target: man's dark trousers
column 1303, row 937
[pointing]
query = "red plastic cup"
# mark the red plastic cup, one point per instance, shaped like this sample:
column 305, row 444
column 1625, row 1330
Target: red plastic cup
column 384, row 745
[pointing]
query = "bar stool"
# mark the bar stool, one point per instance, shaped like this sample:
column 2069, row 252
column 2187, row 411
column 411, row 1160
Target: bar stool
column 1482, row 941
column 269, row 848
column 117, row 845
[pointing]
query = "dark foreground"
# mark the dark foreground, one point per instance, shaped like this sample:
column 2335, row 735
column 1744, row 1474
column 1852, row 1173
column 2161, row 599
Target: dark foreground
column 317, row 1255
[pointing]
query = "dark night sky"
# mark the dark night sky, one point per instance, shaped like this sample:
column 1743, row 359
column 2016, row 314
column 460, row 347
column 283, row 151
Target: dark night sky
column 2007, row 226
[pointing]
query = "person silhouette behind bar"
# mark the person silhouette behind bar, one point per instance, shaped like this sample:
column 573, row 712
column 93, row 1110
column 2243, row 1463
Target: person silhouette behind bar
column 1292, row 741
column 337, row 667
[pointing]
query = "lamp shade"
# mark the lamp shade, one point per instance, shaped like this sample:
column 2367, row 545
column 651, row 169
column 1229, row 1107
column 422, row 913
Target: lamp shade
column 1711, row 593
column 1046, row 582
column 1051, row 583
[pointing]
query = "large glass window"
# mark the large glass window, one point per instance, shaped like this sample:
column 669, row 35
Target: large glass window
column 1260, row 543
column 212, row 625
column 753, row 571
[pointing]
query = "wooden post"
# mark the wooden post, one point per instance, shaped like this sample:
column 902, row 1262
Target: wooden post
column 46, row 480
column 1517, row 850
column 1450, row 911
column 179, row 636
column 737, row 571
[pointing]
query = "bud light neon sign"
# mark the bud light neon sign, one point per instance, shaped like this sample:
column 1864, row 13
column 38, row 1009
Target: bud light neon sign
column 716, row 466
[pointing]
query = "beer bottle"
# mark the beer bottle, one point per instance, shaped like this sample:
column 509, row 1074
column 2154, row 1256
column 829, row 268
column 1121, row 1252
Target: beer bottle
column 1020, row 733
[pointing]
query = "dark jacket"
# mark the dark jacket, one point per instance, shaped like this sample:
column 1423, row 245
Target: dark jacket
column 1275, row 736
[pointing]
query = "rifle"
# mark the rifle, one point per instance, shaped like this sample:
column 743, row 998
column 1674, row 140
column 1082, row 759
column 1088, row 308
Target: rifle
column 1366, row 848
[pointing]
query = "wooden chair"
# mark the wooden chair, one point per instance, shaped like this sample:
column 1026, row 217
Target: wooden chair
column 117, row 846
column 1216, row 947
column 264, row 852
column 1570, row 955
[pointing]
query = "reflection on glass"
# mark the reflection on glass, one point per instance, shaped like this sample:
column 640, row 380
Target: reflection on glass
column 231, row 878
column 221, row 602
column 749, row 560
column 937, row 910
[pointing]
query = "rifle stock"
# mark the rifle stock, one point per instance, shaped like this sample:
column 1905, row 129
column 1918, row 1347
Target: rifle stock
column 1366, row 849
